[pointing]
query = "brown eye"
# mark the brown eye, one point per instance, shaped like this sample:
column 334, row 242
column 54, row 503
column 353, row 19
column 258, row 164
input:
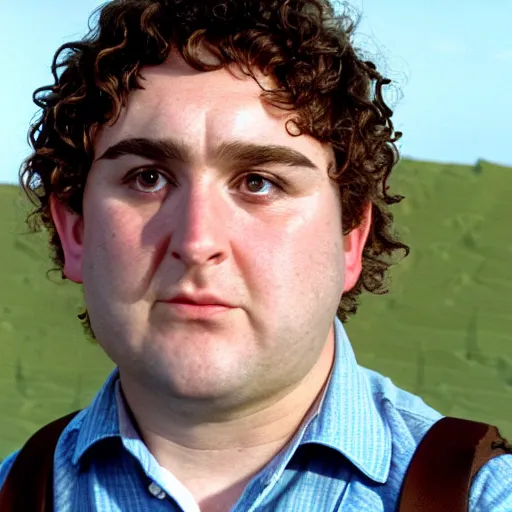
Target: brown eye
column 150, row 180
column 258, row 185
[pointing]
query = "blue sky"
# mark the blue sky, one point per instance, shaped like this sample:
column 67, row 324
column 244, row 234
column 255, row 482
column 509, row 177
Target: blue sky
column 451, row 61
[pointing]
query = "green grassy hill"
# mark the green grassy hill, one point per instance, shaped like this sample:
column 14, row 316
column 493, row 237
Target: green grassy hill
column 443, row 332
column 445, row 329
column 47, row 367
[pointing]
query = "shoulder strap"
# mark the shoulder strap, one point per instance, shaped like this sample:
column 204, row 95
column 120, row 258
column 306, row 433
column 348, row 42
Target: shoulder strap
column 445, row 462
column 29, row 483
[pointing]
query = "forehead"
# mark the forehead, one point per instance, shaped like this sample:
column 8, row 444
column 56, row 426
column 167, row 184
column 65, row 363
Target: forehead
column 204, row 110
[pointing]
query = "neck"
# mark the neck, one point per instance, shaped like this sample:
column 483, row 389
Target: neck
column 234, row 448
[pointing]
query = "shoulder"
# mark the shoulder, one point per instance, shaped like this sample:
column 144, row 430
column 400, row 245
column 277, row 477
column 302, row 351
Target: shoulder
column 82, row 430
column 6, row 466
column 492, row 486
column 409, row 419
column 67, row 435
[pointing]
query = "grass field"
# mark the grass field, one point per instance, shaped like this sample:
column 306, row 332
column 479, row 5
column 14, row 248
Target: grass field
column 443, row 332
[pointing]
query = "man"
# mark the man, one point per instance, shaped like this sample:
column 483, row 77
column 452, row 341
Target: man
column 214, row 175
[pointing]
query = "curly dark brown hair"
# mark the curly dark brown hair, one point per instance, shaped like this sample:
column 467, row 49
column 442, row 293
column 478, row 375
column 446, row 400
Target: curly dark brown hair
column 335, row 96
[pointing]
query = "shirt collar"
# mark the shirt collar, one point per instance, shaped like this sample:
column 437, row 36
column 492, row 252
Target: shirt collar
column 349, row 419
column 100, row 420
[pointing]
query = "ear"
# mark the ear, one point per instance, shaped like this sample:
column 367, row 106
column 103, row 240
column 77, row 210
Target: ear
column 69, row 226
column 353, row 244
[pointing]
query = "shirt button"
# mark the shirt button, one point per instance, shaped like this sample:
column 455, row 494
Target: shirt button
column 156, row 491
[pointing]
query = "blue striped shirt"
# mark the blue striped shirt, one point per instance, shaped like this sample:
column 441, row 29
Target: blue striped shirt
column 350, row 455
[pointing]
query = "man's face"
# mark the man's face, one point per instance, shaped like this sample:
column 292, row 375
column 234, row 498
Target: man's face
column 262, row 235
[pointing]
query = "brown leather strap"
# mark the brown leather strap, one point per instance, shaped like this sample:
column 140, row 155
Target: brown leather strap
column 440, row 474
column 29, row 484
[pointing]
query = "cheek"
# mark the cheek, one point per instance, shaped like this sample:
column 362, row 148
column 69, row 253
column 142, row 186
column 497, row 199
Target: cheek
column 297, row 255
column 113, row 235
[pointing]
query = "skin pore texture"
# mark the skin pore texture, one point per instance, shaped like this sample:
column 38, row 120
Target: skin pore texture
column 214, row 398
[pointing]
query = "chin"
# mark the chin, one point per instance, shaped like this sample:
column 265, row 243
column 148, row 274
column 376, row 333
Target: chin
column 200, row 377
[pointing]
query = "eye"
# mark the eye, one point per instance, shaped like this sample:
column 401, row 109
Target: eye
column 148, row 180
column 259, row 185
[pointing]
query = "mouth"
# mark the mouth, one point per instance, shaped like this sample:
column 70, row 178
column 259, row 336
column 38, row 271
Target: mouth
column 184, row 308
column 192, row 302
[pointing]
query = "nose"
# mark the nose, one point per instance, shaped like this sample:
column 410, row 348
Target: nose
column 200, row 230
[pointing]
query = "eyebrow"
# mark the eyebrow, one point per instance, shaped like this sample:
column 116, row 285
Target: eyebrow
column 234, row 152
